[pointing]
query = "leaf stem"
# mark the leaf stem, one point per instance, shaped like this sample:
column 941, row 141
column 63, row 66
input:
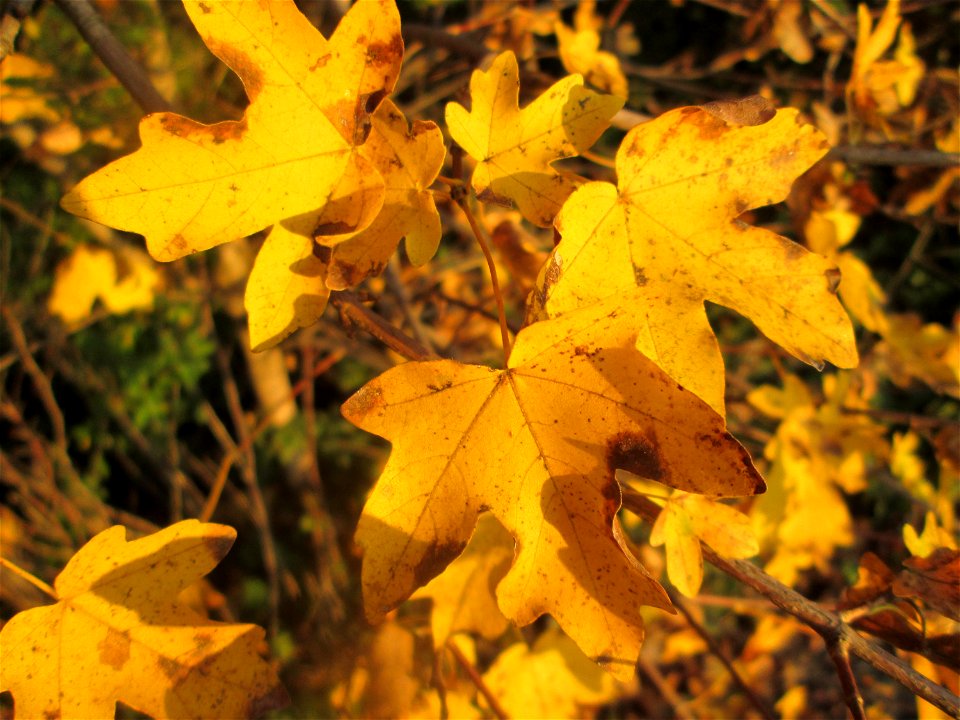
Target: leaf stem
column 461, row 200
column 481, row 686
column 30, row 578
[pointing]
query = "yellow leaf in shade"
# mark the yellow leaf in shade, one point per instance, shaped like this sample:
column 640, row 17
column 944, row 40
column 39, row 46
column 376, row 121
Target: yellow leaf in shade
column 464, row 595
column 287, row 287
column 930, row 353
column 409, row 160
column 119, row 634
column 674, row 529
column 667, row 238
column 514, row 148
column 537, row 445
column 18, row 101
column 90, row 274
column 685, row 521
column 552, row 679
column 193, row 186
column 580, row 52
column 932, row 537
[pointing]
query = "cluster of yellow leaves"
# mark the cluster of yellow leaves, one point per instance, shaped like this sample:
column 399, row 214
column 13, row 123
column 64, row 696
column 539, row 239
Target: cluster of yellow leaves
column 30, row 115
column 123, row 280
column 119, row 634
column 820, row 448
column 879, row 88
column 318, row 155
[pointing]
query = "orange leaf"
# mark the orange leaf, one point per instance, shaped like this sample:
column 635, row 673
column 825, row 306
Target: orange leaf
column 119, row 634
column 537, row 445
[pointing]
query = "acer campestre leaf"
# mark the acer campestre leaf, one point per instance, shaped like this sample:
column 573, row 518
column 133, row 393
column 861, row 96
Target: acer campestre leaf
column 514, row 148
column 667, row 238
column 295, row 270
column 537, row 445
column 193, row 186
column 119, row 634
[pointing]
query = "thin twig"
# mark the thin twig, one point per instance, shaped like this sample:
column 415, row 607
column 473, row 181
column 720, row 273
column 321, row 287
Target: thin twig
column 680, row 707
column 114, row 55
column 481, row 686
column 825, row 623
column 29, row 577
column 761, row 706
column 869, row 155
column 354, row 313
column 461, row 201
column 40, row 381
column 851, row 693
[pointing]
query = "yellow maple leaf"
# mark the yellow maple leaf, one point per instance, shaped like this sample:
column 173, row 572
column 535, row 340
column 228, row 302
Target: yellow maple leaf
column 685, row 521
column 294, row 152
column 914, row 350
column 666, row 238
column 119, row 634
column 550, row 680
column 514, row 148
column 463, row 595
column 537, row 445
column 293, row 274
column 19, row 101
column 580, row 52
column 91, row 273
column 409, row 160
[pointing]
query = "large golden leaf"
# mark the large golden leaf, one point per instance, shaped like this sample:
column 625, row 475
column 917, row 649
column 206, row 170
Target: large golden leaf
column 667, row 237
column 514, row 148
column 193, row 186
column 537, row 445
column 119, row 634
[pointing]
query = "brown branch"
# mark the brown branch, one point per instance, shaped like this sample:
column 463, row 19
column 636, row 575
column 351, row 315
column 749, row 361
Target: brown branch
column 825, row 623
column 869, row 155
column 851, row 693
column 114, row 55
column 463, row 46
column 354, row 314
column 751, row 695
column 477, row 680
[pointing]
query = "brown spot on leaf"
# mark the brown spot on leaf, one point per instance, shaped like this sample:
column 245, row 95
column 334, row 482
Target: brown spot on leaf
column 363, row 402
column 114, row 649
column 637, row 453
column 168, row 667
column 385, row 53
column 752, row 110
column 240, row 63
column 489, row 196
column 833, row 279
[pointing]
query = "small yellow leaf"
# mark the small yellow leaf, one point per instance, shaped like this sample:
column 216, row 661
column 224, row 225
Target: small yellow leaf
column 674, row 529
column 119, row 634
column 724, row 528
column 551, row 680
column 515, row 148
column 580, row 53
column 90, row 274
column 409, row 160
column 463, row 595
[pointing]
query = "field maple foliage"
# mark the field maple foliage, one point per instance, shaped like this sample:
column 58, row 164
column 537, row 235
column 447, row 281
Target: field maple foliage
column 654, row 304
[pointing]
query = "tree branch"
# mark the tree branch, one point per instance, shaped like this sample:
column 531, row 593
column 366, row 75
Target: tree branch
column 354, row 313
column 114, row 55
column 825, row 623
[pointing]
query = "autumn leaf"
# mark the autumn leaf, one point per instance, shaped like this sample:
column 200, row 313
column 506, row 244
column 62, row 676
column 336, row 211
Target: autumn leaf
column 193, row 186
column 464, row 594
column 119, row 634
column 580, row 51
column 409, row 160
column 552, row 679
column 667, row 238
column 684, row 522
column 294, row 272
column 91, row 273
column 537, row 445
column 514, row 148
